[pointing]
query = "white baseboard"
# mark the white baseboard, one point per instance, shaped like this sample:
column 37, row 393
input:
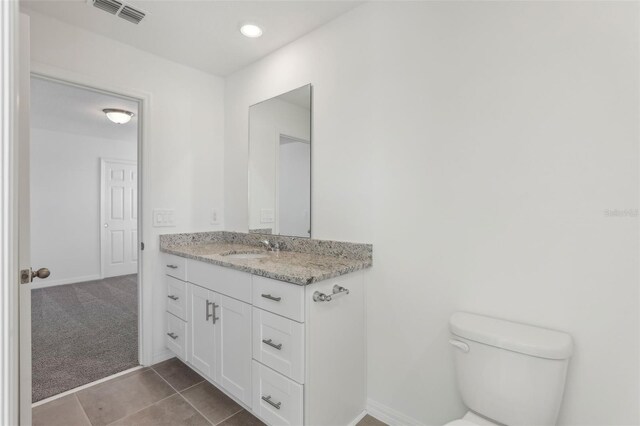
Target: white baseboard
column 72, row 280
column 389, row 415
column 162, row 356
column 355, row 421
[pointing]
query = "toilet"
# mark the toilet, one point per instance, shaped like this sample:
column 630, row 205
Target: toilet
column 508, row 373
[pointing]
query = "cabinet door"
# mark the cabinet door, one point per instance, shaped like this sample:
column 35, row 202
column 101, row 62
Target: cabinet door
column 233, row 338
column 203, row 309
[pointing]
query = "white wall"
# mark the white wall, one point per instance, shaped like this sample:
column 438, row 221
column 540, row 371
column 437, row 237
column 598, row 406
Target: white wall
column 65, row 202
column 269, row 120
column 184, row 147
column 478, row 147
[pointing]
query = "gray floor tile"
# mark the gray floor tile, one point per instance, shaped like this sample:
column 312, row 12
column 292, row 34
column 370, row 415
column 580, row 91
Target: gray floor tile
column 212, row 402
column 173, row 411
column 370, row 421
column 65, row 411
column 177, row 374
column 120, row 397
column 243, row 418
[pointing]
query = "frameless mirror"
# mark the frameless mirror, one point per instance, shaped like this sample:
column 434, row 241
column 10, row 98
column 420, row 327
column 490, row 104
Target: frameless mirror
column 280, row 164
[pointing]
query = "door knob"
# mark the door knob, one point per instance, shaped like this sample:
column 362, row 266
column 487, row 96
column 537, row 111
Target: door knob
column 41, row 273
column 106, row 225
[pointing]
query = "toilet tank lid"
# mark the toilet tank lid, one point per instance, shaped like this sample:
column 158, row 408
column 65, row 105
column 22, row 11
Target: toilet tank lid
column 513, row 336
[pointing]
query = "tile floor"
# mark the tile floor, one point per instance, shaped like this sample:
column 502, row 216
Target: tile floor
column 165, row 394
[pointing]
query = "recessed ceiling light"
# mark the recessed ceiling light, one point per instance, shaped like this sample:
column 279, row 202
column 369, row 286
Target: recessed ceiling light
column 118, row 116
column 251, row 30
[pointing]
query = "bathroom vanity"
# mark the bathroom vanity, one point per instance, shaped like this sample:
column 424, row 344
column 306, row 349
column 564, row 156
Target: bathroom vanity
column 282, row 332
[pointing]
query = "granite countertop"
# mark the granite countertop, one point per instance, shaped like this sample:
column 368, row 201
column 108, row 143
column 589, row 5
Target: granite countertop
column 296, row 267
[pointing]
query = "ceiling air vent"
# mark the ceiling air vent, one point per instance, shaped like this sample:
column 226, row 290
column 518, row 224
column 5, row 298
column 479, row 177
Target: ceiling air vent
column 131, row 14
column 111, row 6
column 120, row 9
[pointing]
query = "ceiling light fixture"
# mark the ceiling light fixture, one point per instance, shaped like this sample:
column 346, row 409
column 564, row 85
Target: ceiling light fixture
column 118, row 116
column 251, row 30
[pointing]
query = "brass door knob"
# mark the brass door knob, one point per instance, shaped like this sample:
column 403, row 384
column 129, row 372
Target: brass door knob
column 41, row 273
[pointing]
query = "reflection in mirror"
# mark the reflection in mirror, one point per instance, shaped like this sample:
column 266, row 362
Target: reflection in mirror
column 280, row 164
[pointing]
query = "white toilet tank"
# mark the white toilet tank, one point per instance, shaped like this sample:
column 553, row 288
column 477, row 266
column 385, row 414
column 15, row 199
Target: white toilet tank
column 510, row 373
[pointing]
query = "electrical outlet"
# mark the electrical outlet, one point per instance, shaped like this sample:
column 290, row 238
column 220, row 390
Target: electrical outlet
column 266, row 216
column 215, row 217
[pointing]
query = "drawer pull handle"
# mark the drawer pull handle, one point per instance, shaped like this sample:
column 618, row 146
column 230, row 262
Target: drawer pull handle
column 337, row 290
column 172, row 297
column 273, row 345
column 172, row 335
column 270, row 297
column 172, row 266
column 213, row 314
column 268, row 400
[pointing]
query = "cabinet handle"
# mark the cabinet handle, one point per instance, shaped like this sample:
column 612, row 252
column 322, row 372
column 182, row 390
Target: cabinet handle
column 273, row 345
column 270, row 297
column 268, row 400
column 172, row 266
column 173, row 336
column 213, row 314
column 207, row 314
column 172, row 297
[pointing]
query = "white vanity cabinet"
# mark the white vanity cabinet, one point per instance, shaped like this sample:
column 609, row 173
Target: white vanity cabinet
column 287, row 356
column 201, row 349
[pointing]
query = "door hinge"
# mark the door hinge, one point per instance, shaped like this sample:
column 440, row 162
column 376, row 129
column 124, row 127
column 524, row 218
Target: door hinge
column 141, row 246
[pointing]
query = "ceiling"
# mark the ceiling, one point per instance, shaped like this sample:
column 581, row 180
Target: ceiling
column 63, row 108
column 201, row 34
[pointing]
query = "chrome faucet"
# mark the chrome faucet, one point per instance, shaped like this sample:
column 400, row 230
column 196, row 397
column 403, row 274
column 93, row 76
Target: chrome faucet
column 271, row 246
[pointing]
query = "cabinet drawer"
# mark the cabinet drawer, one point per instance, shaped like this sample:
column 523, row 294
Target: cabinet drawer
column 282, row 298
column 176, row 297
column 278, row 343
column 220, row 279
column 175, row 266
column 276, row 399
column 176, row 336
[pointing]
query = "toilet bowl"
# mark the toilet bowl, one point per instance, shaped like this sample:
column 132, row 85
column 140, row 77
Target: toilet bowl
column 522, row 367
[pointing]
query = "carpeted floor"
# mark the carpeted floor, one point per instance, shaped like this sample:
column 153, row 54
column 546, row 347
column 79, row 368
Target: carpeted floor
column 83, row 332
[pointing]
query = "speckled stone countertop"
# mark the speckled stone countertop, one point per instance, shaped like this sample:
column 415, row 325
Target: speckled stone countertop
column 315, row 260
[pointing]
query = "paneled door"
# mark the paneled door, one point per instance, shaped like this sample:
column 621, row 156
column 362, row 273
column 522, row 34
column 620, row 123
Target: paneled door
column 119, row 213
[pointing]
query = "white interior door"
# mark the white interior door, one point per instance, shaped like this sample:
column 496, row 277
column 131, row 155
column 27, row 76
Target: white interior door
column 119, row 217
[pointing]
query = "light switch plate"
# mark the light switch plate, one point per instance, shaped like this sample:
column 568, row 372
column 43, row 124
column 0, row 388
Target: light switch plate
column 163, row 218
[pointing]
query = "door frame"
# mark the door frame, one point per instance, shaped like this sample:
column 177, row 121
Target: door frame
column 103, row 200
column 145, row 295
column 9, row 282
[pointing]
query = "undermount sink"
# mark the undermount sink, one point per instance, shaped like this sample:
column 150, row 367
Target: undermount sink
column 246, row 255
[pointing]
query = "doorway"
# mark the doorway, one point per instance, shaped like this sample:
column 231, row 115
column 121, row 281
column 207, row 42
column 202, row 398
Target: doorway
column 84, row 228
column 293, row 186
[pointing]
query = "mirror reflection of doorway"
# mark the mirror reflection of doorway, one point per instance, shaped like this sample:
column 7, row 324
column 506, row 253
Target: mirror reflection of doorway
column 294, row 186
